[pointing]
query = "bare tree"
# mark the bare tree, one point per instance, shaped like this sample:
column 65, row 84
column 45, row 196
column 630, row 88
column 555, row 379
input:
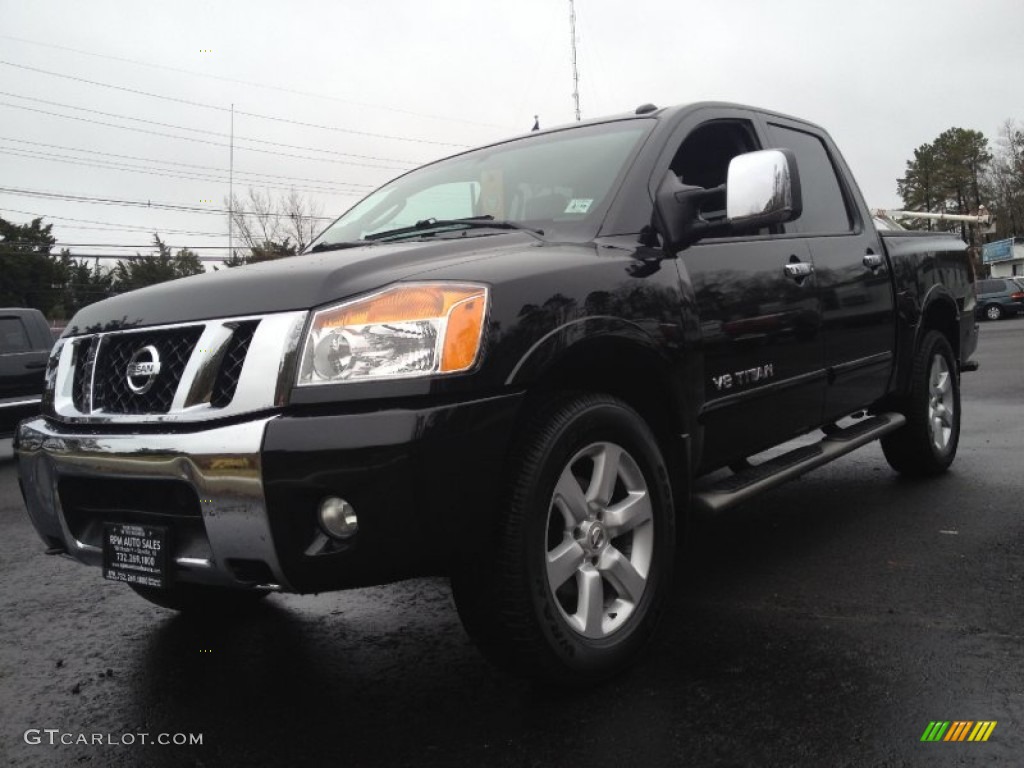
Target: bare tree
column 304, row 218
column 271, row 228
column 1006, row 180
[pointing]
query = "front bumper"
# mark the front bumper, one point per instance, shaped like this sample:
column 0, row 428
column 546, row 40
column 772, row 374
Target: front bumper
column 241, row 499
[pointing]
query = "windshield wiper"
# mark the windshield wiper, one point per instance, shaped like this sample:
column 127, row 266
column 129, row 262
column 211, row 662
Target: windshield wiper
column 337, row 246
column 471, row 222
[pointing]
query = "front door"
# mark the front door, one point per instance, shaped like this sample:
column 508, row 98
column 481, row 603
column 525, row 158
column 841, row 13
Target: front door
column 763, row 374
column 761, row 336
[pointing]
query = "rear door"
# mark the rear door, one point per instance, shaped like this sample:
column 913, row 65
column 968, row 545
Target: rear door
column 850, row 269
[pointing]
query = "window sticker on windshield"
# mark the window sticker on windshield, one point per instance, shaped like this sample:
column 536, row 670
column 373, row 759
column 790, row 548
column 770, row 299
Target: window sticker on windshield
column 579, row 205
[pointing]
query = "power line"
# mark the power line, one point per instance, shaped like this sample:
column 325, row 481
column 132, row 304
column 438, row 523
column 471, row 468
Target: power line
column 407, row 163
column 160, row 172
column 148, row 229
column 156, row 230
column 189, row 138
column 135, row 203
column 167, row 173
column 114, row 226
column 128, row 257
column 226, row 109
column 256, row 85
column 190, row 165
column 58, row 244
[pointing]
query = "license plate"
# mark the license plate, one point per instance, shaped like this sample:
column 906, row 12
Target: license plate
column 136, row 554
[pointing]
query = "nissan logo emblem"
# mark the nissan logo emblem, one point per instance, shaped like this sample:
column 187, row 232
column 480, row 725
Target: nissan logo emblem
column 143, row 369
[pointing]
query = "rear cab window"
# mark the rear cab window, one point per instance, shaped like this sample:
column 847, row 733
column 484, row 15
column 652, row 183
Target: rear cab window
column 826, row 210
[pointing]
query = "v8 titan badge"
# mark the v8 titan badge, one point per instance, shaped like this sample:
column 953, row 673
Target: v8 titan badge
column 136, row 554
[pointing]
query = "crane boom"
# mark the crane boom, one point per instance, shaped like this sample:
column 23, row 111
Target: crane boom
column 982, row 217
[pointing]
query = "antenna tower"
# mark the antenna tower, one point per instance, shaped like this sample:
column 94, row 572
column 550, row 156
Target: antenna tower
column 575, row 71
column 231, row 188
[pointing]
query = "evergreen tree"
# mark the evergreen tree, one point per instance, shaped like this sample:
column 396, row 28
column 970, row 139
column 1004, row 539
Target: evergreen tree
column 140, row 271
column 26, row 269
column 947, row 176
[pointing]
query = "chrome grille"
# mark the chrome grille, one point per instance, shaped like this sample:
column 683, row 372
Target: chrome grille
column 231, row 365
column 209, row 370
column 80, row 387
column 110, row 386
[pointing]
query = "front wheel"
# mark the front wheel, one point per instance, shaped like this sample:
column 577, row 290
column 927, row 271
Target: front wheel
column 926, row 444
column 584, row 551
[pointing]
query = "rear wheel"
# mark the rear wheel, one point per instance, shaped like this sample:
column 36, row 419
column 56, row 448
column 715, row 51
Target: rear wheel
column 993, row 312
column 584, row 553
column 927, row 443
column 197, row 600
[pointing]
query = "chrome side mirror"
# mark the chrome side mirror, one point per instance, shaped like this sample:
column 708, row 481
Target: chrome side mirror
column 763, row 188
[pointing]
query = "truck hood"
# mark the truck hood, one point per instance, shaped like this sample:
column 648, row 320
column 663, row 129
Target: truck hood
column 291, row 283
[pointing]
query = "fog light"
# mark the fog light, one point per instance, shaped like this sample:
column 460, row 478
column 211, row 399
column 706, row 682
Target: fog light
column 338, row 518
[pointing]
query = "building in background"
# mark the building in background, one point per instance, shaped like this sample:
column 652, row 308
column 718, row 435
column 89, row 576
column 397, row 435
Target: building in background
column 1004, row 258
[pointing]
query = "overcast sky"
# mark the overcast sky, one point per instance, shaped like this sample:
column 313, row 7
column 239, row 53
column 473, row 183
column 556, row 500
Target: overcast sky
column 402, row 83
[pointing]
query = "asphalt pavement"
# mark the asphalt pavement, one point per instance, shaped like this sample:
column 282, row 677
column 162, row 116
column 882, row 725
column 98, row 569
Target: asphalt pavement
column 826, row 624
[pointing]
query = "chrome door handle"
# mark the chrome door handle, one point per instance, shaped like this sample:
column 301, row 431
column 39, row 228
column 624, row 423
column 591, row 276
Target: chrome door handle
column 872, row 261
column 798, row 270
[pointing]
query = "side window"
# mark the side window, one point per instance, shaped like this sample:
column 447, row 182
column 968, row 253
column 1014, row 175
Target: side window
column 825, row 210
column 13, row 337
column 703, row 160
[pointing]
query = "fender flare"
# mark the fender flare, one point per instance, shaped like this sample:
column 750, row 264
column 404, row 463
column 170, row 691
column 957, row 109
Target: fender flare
column 569, row 338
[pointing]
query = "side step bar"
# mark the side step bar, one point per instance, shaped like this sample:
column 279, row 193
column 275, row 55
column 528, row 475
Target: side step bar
column 753, row 481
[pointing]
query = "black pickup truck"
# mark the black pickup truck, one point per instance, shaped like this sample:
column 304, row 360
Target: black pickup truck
column 518, row 367
column 25, row 343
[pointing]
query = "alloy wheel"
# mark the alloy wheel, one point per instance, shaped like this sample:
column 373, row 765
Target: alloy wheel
column 600, row 540
column 941, row 403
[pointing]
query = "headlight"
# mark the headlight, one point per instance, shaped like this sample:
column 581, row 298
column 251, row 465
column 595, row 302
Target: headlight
column 415, row 329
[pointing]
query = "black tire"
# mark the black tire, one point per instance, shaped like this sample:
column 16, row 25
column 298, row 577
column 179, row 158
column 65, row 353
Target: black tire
column 993, row 312
column 197, row 600
column 922, row 447
column 505, row 598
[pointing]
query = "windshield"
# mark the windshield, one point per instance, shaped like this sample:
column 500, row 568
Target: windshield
column 552, row 182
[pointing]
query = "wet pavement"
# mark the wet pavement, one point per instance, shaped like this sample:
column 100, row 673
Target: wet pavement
column 824, row 625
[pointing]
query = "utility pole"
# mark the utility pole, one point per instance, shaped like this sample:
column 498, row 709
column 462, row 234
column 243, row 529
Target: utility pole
column 231, row 187
column 575, row 71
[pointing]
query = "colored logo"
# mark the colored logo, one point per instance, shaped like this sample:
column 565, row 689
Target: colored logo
column 958, row 730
